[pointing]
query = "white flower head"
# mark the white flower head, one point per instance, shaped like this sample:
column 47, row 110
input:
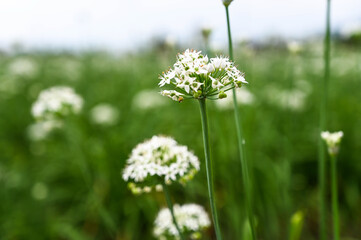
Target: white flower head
column 148, row 99
column 289, row 99
column 333, row 141
column 40, row 130
column 191, row 218
column 158, row 160
column 294, row 47
column 56, row 102
column 23, row 67
column 176, row 96
column 104, row 114
column 195, row 76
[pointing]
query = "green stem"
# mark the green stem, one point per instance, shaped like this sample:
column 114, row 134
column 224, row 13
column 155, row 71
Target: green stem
column 230, row 45
column 74, row 137
column 245, row 173
column 170, row 206
column 336, row 226
column 323, row 119
column 209, row 169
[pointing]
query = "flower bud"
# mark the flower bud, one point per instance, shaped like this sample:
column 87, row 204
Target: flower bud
column 211, row 68
column 196, row 235
column 222, row 95
column 226, row 2
column 197, row 94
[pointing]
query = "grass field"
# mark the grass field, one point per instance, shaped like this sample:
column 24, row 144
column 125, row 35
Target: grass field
column 68, row 184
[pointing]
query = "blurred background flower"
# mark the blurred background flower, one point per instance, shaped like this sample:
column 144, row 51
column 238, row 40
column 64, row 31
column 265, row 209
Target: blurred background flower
column 104, row 114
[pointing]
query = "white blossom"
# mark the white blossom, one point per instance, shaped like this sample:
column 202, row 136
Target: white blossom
column 291, row 99
column 195, row 76
column 191, row 218
column 148, row 99
column 170, row 41
column 160, row 159
column 104, row 114
column 294, row 47
column 40, row 130
column 176, row 96
column 56, row 101
column 333, row 141
column 23, row 66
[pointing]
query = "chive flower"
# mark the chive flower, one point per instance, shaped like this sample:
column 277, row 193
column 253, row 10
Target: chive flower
column 56, row 102
column 191, row 218
column 39, row 131
column 195, row 76
column 333, row 141
column 104, row 114
column 156, row 161
column 148, row 99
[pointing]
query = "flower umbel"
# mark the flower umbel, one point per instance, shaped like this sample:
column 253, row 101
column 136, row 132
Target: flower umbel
column 160, row 159
column 333, row 141
column 194, row 76
column 56, row 102
column 41, row 130
column 104, row 114
column 191, row 218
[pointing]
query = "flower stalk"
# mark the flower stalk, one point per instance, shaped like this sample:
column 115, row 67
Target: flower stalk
column 194, row 76
column 209, row 169
column 334, row 193
column 322, row 124
column 170, row 206
column 333, row 141
column 245, row 172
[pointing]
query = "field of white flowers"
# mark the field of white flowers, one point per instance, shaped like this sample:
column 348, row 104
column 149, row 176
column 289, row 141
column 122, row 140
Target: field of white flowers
column 90, row 149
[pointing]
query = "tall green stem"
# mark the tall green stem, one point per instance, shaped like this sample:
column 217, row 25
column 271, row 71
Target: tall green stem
column 209, row 169
column 323, row 119
column 230, row 44
column 336, row 226
column 170, row 206
column 245, row 174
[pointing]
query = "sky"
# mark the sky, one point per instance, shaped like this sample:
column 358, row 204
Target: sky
column 130, row 24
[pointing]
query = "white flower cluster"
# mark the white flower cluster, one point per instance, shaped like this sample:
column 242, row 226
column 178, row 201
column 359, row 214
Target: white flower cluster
column 333, row 141
column 194, row 76
column 160, row 159
column 148, row 99
column 191, row 218
column 104, row 114
column 294, row 99
column 56, row 101
column 40, row 130
column 294, row 47
column 22, row 66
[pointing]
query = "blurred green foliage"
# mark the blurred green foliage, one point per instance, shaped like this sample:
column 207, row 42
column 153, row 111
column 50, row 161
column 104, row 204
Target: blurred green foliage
column 69, row 185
